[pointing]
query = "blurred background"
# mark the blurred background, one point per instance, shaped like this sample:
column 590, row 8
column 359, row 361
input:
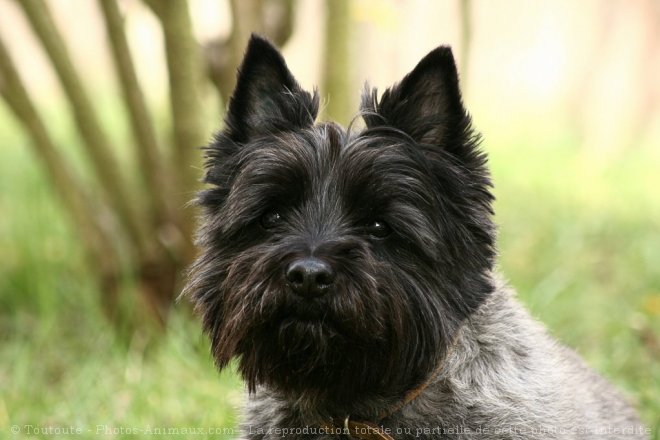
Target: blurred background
column 105, row 103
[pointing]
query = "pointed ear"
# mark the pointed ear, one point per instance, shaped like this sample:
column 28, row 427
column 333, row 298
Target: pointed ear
column 267, row 98
column 426, row 104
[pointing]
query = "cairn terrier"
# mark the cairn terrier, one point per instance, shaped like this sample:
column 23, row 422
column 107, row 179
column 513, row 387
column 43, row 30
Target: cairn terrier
column 350, row 272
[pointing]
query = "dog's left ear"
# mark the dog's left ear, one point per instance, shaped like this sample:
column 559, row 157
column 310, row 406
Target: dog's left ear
column 426, row 104
column 267, row 98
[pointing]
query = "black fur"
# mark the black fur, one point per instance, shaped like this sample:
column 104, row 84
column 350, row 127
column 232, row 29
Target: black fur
column 399, row 296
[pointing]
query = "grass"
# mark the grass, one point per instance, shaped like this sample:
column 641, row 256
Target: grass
column 579, row 240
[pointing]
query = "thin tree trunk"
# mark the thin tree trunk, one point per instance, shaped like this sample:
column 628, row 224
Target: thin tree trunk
column 246, row 18
column 156, row 271
column 270, row 18
column 158, row 186
column 336, row 81
column 96, row 142
column 278, row 20
column 466, row 35
column 185, row 69
column 101, row 252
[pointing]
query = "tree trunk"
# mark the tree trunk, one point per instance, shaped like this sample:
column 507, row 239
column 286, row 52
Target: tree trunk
column 85, row 215
column 336, row 81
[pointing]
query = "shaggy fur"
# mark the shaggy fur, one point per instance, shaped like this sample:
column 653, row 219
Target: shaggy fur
column 398, row 215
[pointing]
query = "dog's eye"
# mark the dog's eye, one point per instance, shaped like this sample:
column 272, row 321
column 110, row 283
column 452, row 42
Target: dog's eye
column 378, row 229
column 271, row 219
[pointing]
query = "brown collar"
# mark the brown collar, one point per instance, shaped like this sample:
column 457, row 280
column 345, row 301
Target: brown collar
column 356, row 430
column 362, row 430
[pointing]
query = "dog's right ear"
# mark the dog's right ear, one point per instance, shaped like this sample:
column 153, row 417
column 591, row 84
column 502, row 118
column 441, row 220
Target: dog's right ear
column 267, row 98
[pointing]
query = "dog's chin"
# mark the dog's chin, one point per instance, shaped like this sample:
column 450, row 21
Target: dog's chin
column 293, row 352
column 306, row 322
column 304, row 310
column 298, row 334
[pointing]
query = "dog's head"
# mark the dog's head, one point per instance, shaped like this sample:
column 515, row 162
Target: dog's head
column 341, row 262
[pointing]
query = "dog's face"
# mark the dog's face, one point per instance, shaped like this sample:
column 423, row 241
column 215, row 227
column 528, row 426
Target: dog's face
column 340, row 263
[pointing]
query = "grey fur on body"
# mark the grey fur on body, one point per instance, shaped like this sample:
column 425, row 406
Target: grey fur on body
column 505, row 378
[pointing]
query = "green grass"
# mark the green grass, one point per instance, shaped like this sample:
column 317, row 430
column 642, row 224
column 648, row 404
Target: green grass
column 580, row 242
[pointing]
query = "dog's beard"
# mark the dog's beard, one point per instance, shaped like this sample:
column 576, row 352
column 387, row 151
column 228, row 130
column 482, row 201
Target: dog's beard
column 375, row 331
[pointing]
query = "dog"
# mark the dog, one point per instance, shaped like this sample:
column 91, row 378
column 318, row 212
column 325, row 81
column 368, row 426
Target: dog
column 350, row 273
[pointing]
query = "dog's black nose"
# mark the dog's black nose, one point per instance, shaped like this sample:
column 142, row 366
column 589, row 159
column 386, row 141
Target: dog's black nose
column 310, row 277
